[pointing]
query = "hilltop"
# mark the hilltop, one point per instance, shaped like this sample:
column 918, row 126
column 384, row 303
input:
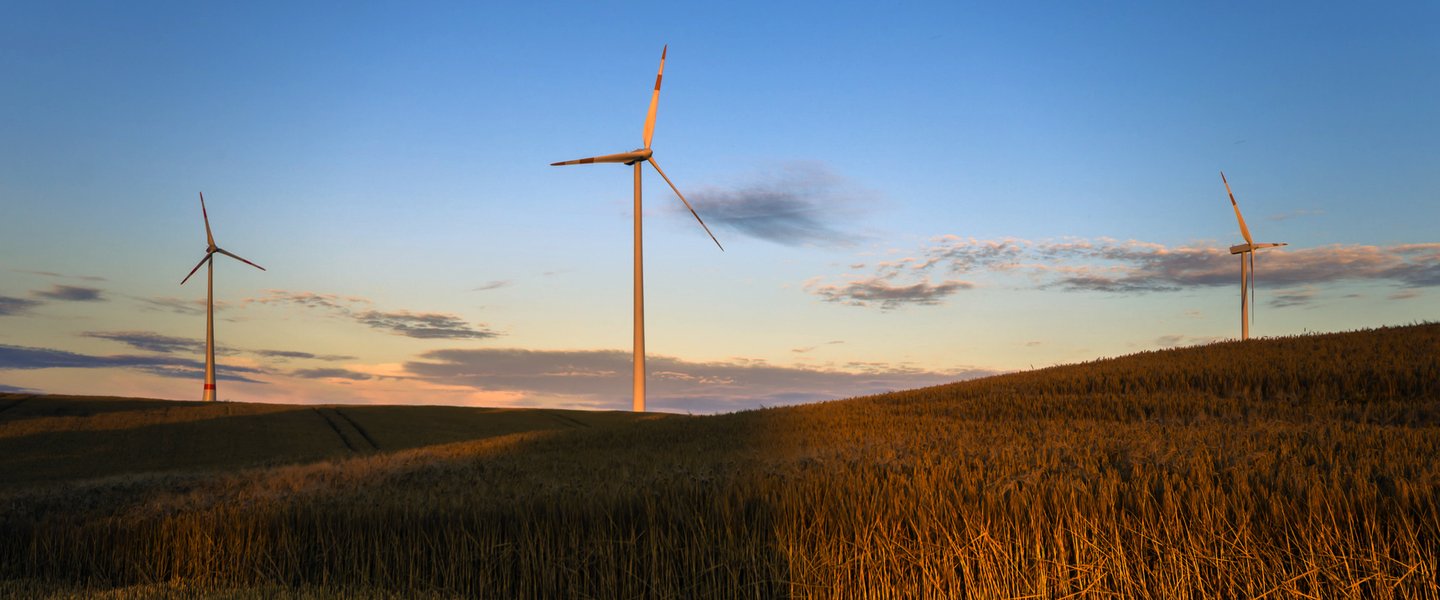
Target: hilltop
column 1300, row 466
column 57, row 438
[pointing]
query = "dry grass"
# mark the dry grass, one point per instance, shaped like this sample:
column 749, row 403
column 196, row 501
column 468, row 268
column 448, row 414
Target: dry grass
column 1286, row 468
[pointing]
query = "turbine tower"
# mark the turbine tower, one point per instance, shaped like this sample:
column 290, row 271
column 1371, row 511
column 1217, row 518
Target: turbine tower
column 634, row 158
column 210, row 251
column 1247, row 272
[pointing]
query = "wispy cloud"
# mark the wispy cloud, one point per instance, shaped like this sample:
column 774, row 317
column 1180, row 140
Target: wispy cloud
column 13, row 306
column 1107, row 265
column 10, row 389
column 331, row 373
column 150, row 341
column 955, row 254
column 601, row 378
column 60, row 275
column 907, row 280
column 1405, row 294
column 1143, row 267
column 337, row 303
column 796, row 204
column 287, row 354
column 879, row 291
column 422, row 325
column 808, row 349
column 1129, row 267
column 180, row 306
column 70, row 293
column 1286, row 298
column 1421, row 266
column 28, row 358
column 491, row 285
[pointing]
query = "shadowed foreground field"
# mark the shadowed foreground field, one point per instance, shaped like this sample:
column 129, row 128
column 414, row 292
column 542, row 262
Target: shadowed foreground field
column 55, row 438
column 1293, row 467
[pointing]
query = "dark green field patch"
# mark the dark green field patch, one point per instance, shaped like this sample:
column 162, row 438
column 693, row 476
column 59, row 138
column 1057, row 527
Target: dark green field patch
column 62, row 438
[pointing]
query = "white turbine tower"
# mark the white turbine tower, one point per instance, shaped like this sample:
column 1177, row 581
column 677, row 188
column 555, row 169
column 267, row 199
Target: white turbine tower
column 634, row 158
column 1247, row 272
column 210, row 252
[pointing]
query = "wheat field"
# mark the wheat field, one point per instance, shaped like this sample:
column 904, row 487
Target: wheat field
column 1300, row 467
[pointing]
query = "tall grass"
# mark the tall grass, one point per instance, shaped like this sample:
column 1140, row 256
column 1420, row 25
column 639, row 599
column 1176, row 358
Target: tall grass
column 1296, row 467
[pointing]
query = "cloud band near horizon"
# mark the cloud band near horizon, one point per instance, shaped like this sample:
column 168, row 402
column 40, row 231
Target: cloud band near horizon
column 421, row 325
column 602, row 378
column 29, row 358
column 1108, row 265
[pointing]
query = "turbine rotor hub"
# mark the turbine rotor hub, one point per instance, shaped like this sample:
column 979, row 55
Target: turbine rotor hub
column 644, row 153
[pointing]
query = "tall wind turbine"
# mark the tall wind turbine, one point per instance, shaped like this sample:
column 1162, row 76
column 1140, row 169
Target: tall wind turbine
column 634, row 158
column 1247, row 272
column 210, row 252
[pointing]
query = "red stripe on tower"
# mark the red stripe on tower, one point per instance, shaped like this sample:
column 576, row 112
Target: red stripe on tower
column 209, row 386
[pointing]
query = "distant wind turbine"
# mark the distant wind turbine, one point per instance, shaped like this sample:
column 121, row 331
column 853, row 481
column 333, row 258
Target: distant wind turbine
column 210, row 252
column 634, row 158
column 1247, row 273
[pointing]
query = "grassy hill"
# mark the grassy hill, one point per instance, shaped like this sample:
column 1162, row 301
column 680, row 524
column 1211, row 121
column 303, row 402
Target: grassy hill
column 1294, row 467
column 56, row 438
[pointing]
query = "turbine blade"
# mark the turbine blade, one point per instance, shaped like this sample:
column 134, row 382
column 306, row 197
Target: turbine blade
column 655, row 99
column 209, row 239
column 197, row 267
column 1245, row 231
column 231, row 255
column 687, row 202
column 623, row 157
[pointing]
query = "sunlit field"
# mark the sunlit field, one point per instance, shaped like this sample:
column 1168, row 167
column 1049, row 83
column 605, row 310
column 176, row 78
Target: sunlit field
column 1301, row 467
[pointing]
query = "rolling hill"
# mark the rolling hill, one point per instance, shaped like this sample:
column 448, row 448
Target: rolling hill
column 1291, row 467
column 57, row 438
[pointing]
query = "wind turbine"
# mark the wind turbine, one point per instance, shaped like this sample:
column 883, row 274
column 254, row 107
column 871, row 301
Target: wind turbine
column 210, row 252
column 1247, row 273
column 634, row 158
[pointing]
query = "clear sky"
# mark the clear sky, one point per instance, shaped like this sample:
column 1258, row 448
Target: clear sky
column 908, row 193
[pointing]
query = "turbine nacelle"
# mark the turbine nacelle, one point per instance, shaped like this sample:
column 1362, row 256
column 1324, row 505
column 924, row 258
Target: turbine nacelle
column 1243, row 248
column 640, row 154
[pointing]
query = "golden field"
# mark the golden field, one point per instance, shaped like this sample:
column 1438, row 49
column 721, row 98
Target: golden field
column 1278, row 468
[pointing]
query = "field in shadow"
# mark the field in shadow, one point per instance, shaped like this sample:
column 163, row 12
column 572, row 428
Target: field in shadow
column 67, row 438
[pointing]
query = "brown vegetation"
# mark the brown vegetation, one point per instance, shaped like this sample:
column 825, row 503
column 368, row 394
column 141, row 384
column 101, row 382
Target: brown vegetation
column 1294, row 467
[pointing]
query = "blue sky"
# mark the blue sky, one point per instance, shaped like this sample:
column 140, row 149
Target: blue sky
column 907, row 195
